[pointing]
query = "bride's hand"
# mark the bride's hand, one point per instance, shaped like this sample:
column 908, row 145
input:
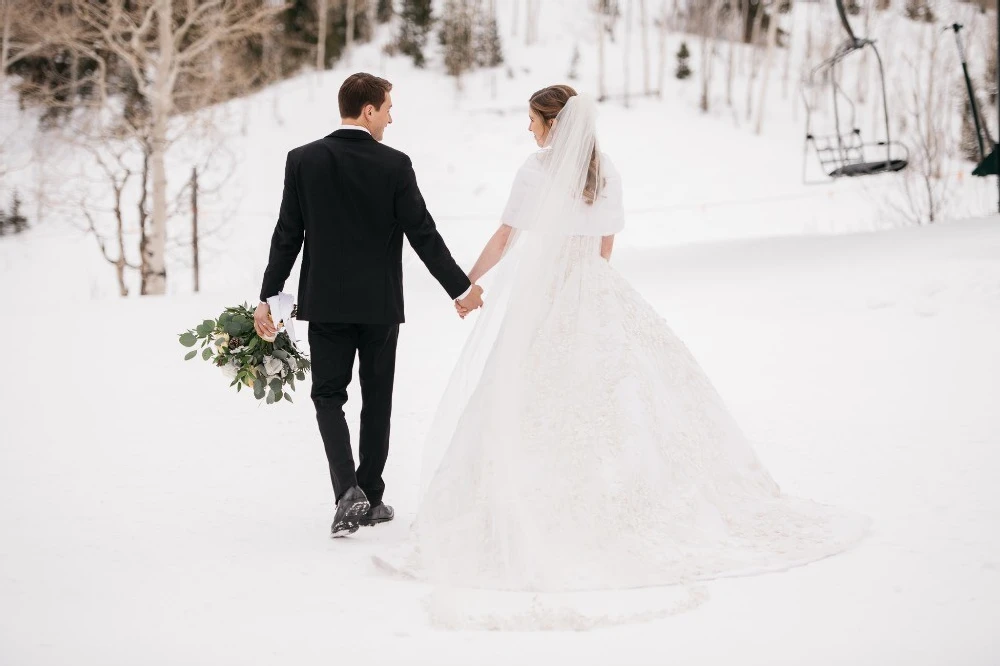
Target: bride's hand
column 471, row 302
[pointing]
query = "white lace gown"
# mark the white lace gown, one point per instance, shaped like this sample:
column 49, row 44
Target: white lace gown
column 593, row 453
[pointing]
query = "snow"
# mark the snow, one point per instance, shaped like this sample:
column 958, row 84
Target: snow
column 151, row 515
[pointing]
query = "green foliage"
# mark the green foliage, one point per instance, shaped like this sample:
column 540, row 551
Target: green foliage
column 456, row 37
column 489, row 48
column 384, row 12
column 231, row 343
column 12, row 221
column 415, row 25
column 683, row 69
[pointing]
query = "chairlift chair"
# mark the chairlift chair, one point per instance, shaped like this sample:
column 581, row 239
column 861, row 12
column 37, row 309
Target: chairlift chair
column 844, row 153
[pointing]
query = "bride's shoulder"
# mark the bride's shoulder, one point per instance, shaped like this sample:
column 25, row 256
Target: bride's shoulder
column 535, row 160
column 608, row 167
column 533, row 165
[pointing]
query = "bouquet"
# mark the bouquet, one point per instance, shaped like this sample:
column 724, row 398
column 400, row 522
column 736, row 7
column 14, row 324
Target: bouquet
column 232, row 344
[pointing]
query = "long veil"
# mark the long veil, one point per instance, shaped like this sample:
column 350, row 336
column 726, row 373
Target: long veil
column 579, row 446
column 550, row 207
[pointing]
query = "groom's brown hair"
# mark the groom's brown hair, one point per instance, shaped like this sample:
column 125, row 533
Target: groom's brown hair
column 358, row 91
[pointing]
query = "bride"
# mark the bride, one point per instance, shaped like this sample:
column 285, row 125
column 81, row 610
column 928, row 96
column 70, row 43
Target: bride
column 579, row 445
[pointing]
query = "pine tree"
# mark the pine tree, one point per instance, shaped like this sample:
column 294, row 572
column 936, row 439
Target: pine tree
column 574, row 64
column 489, row 50
column 683, row 70
column 920, row 10
column 384, row 12
column 14, row 218
column 456, row 37
column 990, row 84
column 416, row 24
column 13, row 221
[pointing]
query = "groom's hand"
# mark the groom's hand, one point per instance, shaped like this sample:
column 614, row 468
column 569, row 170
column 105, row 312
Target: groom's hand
column 471, row 302
column 262, row 322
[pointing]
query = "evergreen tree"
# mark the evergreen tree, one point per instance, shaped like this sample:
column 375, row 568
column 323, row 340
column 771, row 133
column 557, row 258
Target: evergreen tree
column 920, row 10
column 574, row 63
column 489, row 50
column 683, row 70
column 456, row 37
column 384, row 12
column 416, row 24
column 16, row 221
column 13, row 221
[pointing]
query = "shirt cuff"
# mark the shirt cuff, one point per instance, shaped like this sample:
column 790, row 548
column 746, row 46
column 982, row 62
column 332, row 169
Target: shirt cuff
column 465, row 293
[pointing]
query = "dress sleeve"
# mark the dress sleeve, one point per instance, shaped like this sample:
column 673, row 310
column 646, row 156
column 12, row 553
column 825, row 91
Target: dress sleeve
column 524, row 182
column 612, row 199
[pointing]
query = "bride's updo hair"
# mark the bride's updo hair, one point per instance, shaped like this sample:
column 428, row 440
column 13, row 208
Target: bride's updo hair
column 547, row 103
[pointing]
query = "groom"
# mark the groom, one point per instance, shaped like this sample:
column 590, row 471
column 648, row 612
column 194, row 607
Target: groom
column 352, row 199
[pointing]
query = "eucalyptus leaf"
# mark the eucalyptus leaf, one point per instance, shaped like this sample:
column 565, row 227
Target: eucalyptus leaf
column 270, row 398
column 207, row 354
column 275, row 384
column 301, row 376
column 188, row 339
column 288, row 397
column 190, row 355
column 258, row 390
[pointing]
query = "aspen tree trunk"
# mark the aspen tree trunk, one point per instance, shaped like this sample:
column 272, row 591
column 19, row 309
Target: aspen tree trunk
column 154, row 278
column 772, row 36
column 322, row 9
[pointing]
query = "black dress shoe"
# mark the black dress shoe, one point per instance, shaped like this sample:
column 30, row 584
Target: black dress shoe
column 350, row 509
column 380, row 513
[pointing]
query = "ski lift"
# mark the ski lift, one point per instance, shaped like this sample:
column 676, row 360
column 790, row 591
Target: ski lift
column 844, row 153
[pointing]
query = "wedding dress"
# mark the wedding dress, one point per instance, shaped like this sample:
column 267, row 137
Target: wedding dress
column 579, row 445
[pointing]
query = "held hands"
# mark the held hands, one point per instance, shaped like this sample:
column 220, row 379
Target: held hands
column 471, row 302
column 262, row 322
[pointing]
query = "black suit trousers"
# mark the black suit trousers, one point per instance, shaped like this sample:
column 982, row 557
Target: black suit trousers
column 333, row 348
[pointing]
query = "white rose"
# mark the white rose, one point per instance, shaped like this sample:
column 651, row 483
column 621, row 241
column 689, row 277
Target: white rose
column 273, row 366
column 230, row 369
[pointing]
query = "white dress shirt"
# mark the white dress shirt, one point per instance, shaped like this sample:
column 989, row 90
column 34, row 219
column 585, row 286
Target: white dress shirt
column 365, row 129
column 354, row 127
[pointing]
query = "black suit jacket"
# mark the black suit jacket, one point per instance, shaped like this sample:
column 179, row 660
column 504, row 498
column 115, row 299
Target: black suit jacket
column 352, row 199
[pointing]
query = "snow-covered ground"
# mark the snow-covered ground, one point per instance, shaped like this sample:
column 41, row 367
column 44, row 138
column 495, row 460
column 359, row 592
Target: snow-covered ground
column 151, row 515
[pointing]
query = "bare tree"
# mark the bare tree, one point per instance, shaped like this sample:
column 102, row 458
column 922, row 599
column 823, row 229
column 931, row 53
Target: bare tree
column 531, row 26
column 789, row 48
column 322, row 18
column 928, row 130
column 772, row 36
column 707, row 25
column 627, row 52
column 117, row 168
column 601, row 19
column 754, row 37
column 160, row 44
column 733, row 30
column 27, row 29
column 644, row 37
column 352, row 10
column 662, row 25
